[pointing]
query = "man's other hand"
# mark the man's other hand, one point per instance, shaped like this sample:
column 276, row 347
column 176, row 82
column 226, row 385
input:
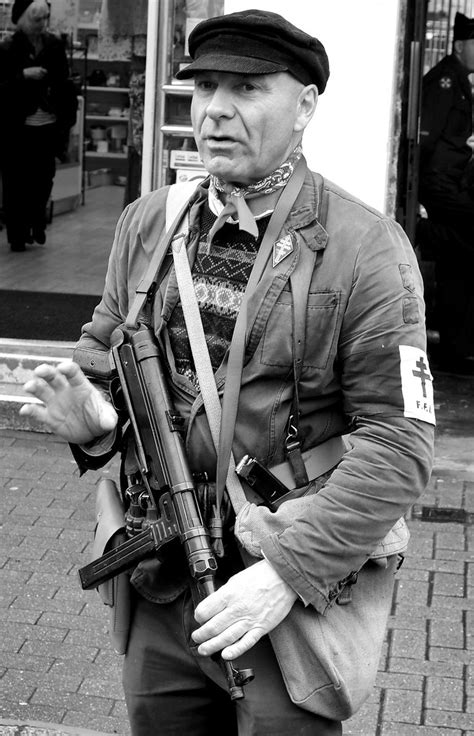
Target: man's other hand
column 72, row 407
column 247, row 607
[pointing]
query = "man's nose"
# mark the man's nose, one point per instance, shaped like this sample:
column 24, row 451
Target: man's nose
column 220, row 105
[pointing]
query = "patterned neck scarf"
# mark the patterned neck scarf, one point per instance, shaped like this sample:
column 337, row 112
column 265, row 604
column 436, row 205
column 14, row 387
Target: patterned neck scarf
column 235, row 196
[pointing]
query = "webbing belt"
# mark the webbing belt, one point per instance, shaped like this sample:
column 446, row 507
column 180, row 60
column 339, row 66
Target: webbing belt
column 317, row 460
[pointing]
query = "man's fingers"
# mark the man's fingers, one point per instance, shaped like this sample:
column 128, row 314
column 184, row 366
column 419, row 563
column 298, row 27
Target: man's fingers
column 51, row 375
column 73, row 373
column 224, row 638
column 49, row 379
column 65, row 373
column 233, row 642
column 210, row 606
column 213, row 627
column 34, row 411
column 40, row 388
column 243, row 645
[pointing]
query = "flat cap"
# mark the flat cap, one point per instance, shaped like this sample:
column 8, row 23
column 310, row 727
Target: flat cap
column 256, row 42
column 463, row 28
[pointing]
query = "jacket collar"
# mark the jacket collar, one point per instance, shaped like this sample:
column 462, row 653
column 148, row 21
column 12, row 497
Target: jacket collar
column 305, row 211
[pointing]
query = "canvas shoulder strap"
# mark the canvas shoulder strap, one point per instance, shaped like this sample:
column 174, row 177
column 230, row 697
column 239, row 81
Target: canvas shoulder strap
column 176, row 222
column 178, row 195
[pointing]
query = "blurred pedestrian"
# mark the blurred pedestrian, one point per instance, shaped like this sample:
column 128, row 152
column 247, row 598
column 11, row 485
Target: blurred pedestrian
column 39, row 107
column 447, row 193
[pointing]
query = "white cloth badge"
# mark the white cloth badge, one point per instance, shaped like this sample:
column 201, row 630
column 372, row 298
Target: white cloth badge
column 281, row 249
column 445, row 83
column 417, row 384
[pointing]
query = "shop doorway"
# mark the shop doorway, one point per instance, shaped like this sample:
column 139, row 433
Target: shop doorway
column 428, row 37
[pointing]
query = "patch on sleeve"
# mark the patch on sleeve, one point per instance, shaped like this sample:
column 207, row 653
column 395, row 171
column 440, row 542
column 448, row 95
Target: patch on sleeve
column 417, row 384
column 408, row 279
column 445, row 82
column 411, row 314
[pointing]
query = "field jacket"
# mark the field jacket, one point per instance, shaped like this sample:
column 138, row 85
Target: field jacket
column 364, row 372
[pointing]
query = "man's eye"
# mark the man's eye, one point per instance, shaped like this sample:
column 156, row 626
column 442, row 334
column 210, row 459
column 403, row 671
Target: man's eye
column 204, row 84
column 248, row 87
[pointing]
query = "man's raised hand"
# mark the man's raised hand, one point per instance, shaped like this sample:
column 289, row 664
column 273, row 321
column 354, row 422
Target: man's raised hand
column 71, row 406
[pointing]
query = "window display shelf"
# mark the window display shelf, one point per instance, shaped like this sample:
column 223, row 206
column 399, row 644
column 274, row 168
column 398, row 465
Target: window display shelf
column 178, row 89
column 177, row 130
column 108, row 89
column 79, row 56
column 106, row 154
column 108, row 118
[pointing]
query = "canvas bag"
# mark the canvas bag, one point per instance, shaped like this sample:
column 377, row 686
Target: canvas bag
column 328, row 662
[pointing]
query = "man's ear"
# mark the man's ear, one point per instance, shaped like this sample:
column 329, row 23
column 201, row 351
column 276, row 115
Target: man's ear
column 458, row 46
column 307, row 101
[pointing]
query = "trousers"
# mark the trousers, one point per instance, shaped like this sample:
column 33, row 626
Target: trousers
column 170, row 689
column 29, row 166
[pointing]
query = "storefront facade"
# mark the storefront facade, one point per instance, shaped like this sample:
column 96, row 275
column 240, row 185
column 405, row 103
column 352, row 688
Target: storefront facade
column 133, row 132
column 352, row 137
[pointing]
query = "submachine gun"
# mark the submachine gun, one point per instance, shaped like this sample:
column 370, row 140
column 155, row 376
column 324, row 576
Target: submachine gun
column 135, row 358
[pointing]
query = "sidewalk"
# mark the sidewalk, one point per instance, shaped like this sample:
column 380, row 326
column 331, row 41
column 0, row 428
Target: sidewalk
column 56, row 663
column 59, row 675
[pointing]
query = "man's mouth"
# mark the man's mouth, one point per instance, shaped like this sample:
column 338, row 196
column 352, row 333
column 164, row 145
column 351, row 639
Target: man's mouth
column 219, row 140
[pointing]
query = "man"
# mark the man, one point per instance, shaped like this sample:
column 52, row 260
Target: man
column 362, row 370
column 447, row 193
column 38, row 109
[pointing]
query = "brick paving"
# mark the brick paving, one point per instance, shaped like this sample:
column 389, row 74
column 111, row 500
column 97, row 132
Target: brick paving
column 59, row 675
column 56, row 663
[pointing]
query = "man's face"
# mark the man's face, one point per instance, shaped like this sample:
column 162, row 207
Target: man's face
column 466, row 54
column 245, row 125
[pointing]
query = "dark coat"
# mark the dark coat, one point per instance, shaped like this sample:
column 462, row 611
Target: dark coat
column 446, row 124
column 20, row 97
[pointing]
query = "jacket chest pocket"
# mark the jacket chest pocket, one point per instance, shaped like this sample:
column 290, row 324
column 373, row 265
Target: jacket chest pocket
column 322, row 309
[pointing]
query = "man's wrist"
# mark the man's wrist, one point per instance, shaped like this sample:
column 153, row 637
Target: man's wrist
column 99, row 445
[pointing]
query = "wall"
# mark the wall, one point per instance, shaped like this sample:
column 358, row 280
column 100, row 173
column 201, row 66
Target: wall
column 349, row 140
